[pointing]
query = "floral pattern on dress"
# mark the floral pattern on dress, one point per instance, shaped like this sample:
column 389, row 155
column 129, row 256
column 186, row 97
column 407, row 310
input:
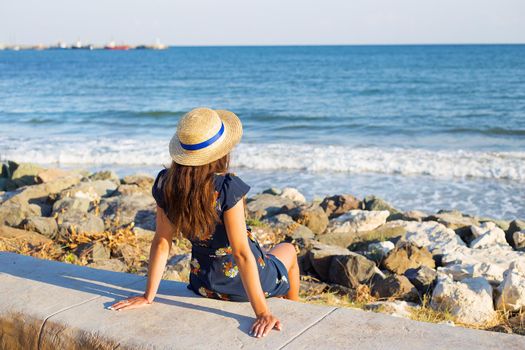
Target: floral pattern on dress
column 266, row 294
column 224, row 251
column 205, row 292
column 283, row 279
column 230, row 269
column 195, row 267
column 261, row 262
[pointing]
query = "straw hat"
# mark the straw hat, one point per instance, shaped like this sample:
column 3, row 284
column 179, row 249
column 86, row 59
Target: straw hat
column 204, row 135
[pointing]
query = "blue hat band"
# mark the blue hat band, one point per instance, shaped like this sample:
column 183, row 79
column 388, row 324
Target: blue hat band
column 203, row 144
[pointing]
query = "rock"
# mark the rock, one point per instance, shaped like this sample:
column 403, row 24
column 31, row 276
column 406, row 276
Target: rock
column 100, row 252
column 109, row 264
column 129, row 253
column 23, row 235
column 292, row 194
column 511, row 291
column 144, row 181
column 378, row 204
column 456, row 221
column 320, row 257
column 138, row 209
column 44, row 225
column 44, row 190
column 78, row 222
column 142, row 233
column 105, row 175
column 396, row 308
column 437, row 238
column 336, row 205
column 71, row 203
column 129, row 190
column 178, row 268
column 487, row 263
column 422, row 278
column 469, row 301
column 266, row 205
column 502, row 224
column 273, row 191
column 394, row 286
column 518, row 239
column 516, row 225
column 312, row 216
column 26, row 174
column 488, row 235
column 341, row 239
column 358, row 221
column 379, row 250
column 408, row 256
column 13, row 212
column 413, row 215
column 52, row 174
column 92, row 190
column 351, row 270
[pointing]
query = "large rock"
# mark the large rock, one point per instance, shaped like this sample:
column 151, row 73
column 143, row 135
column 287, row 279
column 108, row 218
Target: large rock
column 13, row 212
column 26, row 174
column 320, row 257
column 123, row 210
column 511, row 292
column 178, row 267
column 144, row 181
column 351, row 270
column 378, row 204
column 488, row 235
column 469, row 301
column 337, row 205
column 394, row 286
column 456, row 221
column 408, row 256
column 52, row 174
column 292, row 194
column 23, row 235
column 490, row 263
column 105, row 175
column 71, row 203
column 422, row 278
column 46, row 226
column 379, row 250
column 266, row 205
column 515, row 226
column 79, row 222
column 312, row 216
column 92, row 190
column 358, row 221
column 432, row 235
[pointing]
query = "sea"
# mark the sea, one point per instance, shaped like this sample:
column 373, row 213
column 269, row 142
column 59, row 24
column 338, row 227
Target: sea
column 425, row 127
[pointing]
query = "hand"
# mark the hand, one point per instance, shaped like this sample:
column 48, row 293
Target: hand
column 264, row 324
column 130, row 303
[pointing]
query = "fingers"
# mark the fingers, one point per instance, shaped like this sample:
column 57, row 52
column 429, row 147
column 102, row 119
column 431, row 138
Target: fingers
column 262, row 326
column 278, row 325
column 268, row 327
column 130, row 303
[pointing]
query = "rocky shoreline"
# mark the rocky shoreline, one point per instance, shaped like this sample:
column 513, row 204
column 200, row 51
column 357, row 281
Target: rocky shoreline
column 444, row 267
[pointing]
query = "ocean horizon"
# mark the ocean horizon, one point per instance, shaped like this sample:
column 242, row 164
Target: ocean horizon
column 425, row 127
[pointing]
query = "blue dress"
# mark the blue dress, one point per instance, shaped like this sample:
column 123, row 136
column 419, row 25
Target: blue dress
column 213, row 272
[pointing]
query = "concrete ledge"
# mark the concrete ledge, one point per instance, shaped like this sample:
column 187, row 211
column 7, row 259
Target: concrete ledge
column 52, row 305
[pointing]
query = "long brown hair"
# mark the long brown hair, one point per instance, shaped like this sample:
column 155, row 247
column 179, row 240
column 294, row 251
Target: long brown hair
column 190, row 198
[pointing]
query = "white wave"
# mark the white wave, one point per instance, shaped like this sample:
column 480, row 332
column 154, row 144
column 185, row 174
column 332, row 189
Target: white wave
column 317, row 158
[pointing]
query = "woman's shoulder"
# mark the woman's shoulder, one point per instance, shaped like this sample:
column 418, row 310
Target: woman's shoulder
column 231, row 189
column 157, row 189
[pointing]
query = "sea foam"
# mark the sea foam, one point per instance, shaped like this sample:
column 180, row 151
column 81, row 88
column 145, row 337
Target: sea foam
column 314, row 158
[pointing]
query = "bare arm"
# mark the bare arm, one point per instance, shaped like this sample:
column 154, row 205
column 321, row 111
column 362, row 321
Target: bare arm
column 235, row 224
column 159, row 251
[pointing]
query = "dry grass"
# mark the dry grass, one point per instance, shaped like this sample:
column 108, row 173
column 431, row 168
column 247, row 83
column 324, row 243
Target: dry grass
column 425, row 313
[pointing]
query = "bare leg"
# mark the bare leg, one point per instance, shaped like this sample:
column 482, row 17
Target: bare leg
column 285, row 252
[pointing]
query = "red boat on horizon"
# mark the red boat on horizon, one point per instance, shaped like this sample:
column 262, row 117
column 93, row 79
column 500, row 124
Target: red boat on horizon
column 112, row 46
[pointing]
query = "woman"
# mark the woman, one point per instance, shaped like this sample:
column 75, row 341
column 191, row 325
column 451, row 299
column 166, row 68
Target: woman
column 197, row 199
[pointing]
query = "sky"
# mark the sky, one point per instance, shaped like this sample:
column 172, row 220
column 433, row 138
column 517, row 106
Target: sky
column 263, row 22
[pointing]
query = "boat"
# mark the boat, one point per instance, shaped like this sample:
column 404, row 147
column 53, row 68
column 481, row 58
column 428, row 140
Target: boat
column 113, row 46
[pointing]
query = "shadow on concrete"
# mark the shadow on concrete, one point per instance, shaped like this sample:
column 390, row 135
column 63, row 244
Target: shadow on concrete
column 108, row 284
